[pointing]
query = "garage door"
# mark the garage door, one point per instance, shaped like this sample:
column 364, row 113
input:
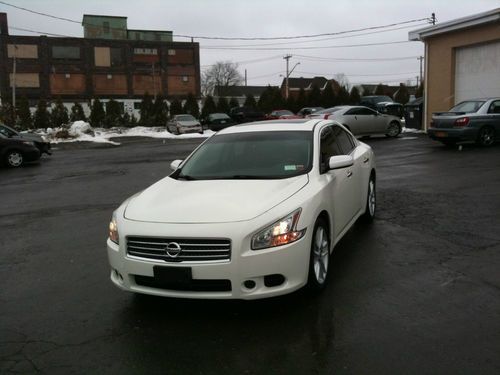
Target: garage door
column 477, row 71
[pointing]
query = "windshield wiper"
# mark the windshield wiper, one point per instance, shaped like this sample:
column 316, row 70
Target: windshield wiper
column 186, row 177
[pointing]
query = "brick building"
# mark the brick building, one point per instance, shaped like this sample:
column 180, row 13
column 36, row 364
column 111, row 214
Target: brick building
column 111, row 61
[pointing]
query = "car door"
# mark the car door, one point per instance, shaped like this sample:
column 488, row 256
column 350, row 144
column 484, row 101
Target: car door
column 368, row 120
column 494, row 117
column 339, row 184
column 350, row 119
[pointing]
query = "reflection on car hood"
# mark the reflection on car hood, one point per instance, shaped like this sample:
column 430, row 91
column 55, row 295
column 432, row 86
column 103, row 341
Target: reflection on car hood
column 188, row 123
column 29, row 137
column 210, row 201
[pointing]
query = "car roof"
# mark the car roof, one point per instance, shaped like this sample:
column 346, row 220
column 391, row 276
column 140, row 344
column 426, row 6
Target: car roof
column 273, row 125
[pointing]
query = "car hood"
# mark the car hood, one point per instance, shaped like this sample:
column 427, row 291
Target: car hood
column 29, row 137
column 188, row 123
column 210, row 201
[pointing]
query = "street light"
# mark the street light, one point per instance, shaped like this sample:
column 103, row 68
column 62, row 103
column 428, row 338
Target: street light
column 286, row 79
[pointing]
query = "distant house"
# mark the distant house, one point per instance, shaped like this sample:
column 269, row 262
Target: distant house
column 296, row 84
column 462, row 60
column 239, row 92
column 365, row 90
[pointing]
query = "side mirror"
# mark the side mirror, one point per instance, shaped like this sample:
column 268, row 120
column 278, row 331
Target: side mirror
column 175, row 164
column 340, row 161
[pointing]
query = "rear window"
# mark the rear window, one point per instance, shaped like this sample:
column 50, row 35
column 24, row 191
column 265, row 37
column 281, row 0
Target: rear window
column 470, row 106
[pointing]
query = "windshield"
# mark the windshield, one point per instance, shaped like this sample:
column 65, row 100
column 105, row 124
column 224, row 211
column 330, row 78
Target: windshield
column 282, row 113
column 6, row 131
column 468, row 107
column 328, row 110
column 218, row 116
column 185, row 118
column 252, row 155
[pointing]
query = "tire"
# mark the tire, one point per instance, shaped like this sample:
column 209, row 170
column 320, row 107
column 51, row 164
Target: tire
column 393, row 130
column 486, row 136
column 320, row 256
column 14, row 159
column 371, row 201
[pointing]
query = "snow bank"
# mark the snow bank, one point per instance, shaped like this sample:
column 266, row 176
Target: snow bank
column 414, row 131
column 79, row 128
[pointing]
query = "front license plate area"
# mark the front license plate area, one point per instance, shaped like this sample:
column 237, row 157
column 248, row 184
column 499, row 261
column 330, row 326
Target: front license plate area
column 172, row 275
column 441, row 134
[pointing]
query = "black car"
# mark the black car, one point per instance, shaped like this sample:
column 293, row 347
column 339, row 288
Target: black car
column 306, row 111
column 246, row 114
column 383, row 104
column 476, row 120
column 15, row 152
column 217, row 121
column 42, row 145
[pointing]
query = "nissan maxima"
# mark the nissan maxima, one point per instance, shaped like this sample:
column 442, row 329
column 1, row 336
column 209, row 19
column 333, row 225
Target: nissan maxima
column 255, row 211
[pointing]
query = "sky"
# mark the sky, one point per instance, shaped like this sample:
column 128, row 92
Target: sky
column 263, row 59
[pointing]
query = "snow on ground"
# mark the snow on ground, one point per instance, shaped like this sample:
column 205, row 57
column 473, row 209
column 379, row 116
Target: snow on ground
column 414, row 131
column 81, row 131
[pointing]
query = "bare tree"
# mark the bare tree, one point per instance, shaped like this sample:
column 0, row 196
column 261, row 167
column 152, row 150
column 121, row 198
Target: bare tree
column 342, row 80
column 222, row 73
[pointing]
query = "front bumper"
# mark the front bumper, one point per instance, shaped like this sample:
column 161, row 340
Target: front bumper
column 291, row 261
column 453, row 134
column 33, row 154
column 186, row 130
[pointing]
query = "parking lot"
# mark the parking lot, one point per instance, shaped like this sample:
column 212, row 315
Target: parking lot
column 418, row 291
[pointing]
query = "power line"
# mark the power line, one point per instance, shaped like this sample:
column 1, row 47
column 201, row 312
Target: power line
column 41, row 32
column 336, row 59
column 428, row 19
column 361, row 75
column 308, row 47
column 248, row 61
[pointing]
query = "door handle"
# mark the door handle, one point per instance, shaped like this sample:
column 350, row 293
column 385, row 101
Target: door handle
column 366, row 160
column 349, row 173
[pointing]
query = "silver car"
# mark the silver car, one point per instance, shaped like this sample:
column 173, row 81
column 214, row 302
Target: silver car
column 362, row 120
column 183, row 124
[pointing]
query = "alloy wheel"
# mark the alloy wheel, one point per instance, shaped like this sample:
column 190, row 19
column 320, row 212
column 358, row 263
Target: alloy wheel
column 393, row 130
column 486, row 136
column 320, row 255
column 15, row 159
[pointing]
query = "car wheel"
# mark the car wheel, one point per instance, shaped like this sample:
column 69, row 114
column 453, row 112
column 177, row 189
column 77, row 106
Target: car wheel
column 320, row 256
column 14, row 159
column 486, row 136
column 393, row 130
column 371, row 201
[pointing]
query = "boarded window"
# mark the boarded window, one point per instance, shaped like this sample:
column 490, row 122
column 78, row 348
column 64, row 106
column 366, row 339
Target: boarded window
column 102, row 56
column 22, row 51
column 25, row 80
column 66, row 52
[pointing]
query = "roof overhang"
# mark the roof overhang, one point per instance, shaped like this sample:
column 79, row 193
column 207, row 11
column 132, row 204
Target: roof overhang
column 479, row 19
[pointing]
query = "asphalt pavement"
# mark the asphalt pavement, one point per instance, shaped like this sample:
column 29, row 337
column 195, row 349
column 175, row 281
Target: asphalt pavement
column 416, row 292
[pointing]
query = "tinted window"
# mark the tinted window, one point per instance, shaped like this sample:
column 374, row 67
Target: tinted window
column 218, row 116
column 494, row 107
column 328, row 147
column 344, row 140
column 257, row 155
column 116, row 56
column 63, row 52
column 365, row 111
column 7, row 131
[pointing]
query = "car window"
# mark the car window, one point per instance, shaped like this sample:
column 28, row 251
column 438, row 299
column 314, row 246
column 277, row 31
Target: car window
column 352, row 111
column 6, row 131
column 494, row 107
column 471, row 106
column 185, row 118
column 328, row 147
column 366, row 111
column 218, row 116
column 344, row 140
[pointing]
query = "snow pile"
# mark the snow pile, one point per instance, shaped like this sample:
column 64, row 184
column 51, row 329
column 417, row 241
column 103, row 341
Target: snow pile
column 81, row 131
column 414, row 131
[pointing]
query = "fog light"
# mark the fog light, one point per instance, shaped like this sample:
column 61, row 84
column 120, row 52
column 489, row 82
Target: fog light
column 274, row 280
column 249, row 284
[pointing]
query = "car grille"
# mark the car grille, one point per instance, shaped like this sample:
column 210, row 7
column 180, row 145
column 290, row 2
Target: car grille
column 191, row 250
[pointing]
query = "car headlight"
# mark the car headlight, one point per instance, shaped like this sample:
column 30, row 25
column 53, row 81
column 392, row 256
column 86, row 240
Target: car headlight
column 113, row 229
column 282, row 232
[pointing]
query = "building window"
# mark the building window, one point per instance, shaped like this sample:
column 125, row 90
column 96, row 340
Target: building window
column 137, row 105
column 171, row 52
column 158, row 37
column 22, row 51
column 66, row 52
column 28, row 80
column 106, row 27
column 145, row 51
column 109, row 76
column 185, row 79
column 116, row 56
column 67, row 76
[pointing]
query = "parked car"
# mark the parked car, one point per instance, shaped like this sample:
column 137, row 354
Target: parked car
column 183, row 124
column 217, row 121
column 40, row 142
column 14, row 152
column 255, row 211
column 282, row 114
column 246, row 114
column 383, row 104
column 363, row 120
column 475, row 120
column 304, row 112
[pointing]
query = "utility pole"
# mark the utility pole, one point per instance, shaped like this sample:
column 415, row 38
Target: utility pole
column 287, row 58
column 416, row 78
column 14, row 84
column 433, row 18
column 154, row 81
column 245, row 77
column 421, row 58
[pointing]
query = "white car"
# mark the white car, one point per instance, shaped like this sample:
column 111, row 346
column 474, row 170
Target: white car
column 362, row 120
column 255, row 211
column 183, row 124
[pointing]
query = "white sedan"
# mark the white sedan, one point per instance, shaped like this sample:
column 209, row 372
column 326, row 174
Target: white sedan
column 255, row 211
column 362, row 120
